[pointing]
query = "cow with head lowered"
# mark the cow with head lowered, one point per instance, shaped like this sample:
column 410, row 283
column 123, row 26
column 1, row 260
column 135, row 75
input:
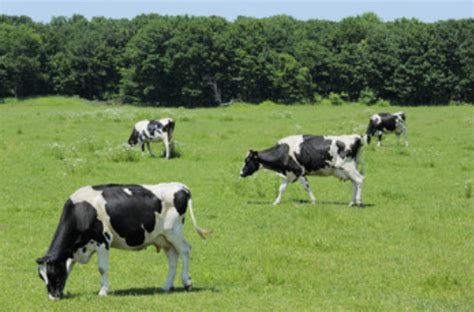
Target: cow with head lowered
column 147, row 131
column 387, row 123
column 123, row 216
column 298, row 156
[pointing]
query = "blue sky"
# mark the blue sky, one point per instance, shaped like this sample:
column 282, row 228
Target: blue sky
column 425, row 10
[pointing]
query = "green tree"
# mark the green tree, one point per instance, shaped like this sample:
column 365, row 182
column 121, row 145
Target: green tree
column 20, row 66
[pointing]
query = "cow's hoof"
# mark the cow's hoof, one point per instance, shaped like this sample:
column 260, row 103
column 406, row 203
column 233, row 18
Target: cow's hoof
column 188, row 287
column 103, row 292
column 51, row 297
column 351, row 204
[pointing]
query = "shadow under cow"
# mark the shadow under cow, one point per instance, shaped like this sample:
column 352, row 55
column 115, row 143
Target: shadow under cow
column 150, row 291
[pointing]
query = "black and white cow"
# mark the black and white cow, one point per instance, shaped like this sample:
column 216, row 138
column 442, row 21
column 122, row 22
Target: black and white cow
column 297, row 156
column 122, row 216
column 387, row 123
column 147, row 131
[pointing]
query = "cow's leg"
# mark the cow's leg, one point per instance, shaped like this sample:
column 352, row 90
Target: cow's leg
column 379, row 142
column 143, row 147
column 148, row 145
column 186, row 279
column 281, row 190
column 103, row 259
column 405, row 136
column 357, row 181
column 173, row 256
column 398, row 139
column 305, row 183
column 183, row 249
column 167, row 145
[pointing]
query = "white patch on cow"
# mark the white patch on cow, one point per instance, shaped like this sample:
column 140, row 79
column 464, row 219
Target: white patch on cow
column 376, row 119
column 127, row 191
column 84, row 254
column 294, row 143
column 142, row 126
column 348, row 140
column 44, row 274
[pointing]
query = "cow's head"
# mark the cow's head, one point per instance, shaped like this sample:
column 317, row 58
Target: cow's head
column 133, row 140
column 371, row 129
column 54, row 275
column 251, row 164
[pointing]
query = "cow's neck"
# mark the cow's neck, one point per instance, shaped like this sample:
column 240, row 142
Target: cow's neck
column 272, row 158
column 63, row 242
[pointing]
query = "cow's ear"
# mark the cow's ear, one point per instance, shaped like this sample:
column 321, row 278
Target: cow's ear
column 253, row 154
column 42, row 260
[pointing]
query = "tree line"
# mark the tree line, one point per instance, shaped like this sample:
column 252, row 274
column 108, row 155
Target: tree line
column 207, row 61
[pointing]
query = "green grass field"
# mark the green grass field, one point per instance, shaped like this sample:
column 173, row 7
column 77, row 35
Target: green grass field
column 411, row 248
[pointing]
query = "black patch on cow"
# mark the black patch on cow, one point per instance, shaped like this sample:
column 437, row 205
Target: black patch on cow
column 153, row 127
column 341, row 148
column 180, row 201
column 354, row 147
column 84, row 249
column 107, row 235
column 388, row 123
column 314, row 153
column 133, row 137
column 277, row 158
column 131, row 216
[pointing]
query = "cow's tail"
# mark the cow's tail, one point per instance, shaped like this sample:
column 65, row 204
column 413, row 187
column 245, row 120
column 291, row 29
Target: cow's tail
column 202, row 232
column 359, row 155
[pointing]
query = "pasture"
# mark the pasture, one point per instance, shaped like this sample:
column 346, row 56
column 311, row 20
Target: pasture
column 411, row 248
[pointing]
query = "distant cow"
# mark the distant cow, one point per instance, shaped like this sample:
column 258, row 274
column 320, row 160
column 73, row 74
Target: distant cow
column 297, row 156
column 388, row 123
column 147, row 131
column 130, row 217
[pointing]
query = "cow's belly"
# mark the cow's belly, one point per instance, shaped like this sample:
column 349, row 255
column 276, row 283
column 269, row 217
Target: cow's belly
column 151, row 238
column 158, row 241
column 326, row 172
column 322, row 172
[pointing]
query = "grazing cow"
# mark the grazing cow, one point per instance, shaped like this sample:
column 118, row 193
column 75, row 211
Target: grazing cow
column 122, row 216
column 297, row 156
column 388, row 123
column 147, row 131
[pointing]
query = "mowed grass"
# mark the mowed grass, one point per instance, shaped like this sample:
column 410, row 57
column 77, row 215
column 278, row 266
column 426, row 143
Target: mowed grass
column 411, row 248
